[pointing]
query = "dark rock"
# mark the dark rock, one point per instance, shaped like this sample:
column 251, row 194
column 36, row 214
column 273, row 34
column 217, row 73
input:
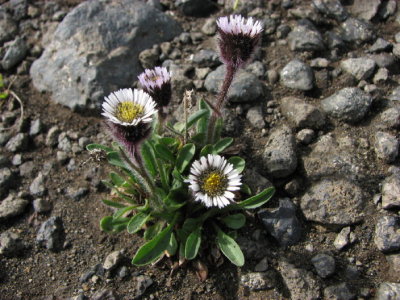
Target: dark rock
column 83, row 62
column 246, row 87
column 387, row 234
column 6, row 180
column 196, row 8
column 19, row 8
column 301, row 283
column 302, row 114
column 334, row 40
column 257, row 281
column 18, row 143
column 387, row 9
column 386, row 146
column 338, row 292
column 11, row 207
column 297, row 75
column 95, row 270
column 15, row 53
column 331, row 8
column 361, row 68
column 282, row 223
column 357, row 31
column 10, row 244
column 256, row 181
column 8, row 27
column 349, row 104
column 337, row 202
column 280, row 159
column 305, row 37
column 51, row 234
column 206, row 58
column 324, row 264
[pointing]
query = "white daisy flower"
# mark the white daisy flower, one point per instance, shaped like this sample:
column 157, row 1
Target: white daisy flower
column 213, row 181
column 155, row 78
column 129, row 108
column 236, row 24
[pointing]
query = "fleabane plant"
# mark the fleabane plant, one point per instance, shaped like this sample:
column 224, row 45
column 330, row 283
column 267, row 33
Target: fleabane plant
column 171, row 181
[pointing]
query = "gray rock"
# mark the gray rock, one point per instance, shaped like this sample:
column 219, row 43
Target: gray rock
column 387, row 234
column 123, row 272
column 282, row 31
column 386, row 146
column 336, row 202
column 246, row 87
column 282, row 223
column 302, row 114
column 301, row 283
column 4, row 162
column 256, row 181
column 334, row 156
column 280, row 159
column 381, row 76
column 52, row 136
column 253, row 250
column 361, row 68
column 209, row 27
column 331, row 8
column 391, row 192
column 387, row 9
column 338, row 292
column 196, row 8
column 297, row 75
column 82, row 63
column 10, row 244
column 4, row 138
column 8, row 27
column 6, row 180
column 357, row 31
column 349, row 104
column 324, row 264
column 41, row 205
column 305, row 136
column 11, row 207
column 395, row 95
column 36, row 127
column 105, row 294
column 380, row 45
column 94, row 270
column 18, row 143
column 27, row 168
column 256, row 68
column 394, row 263
column 388, row 291
column 17, row 159
column 262, row 266
column 255, row 117
column 344, row 238
column 206, row 58
column 319, row 62
column 113, row 260
column 148, row 58
column 334, row 40
column 305, row 37
column 37, row 187
column 51, row 234
column 77, row 193
column 142, row 283
column 365, row 9
column 385, row 60
column 15, row 53
column 272, row 76
column 257, row 281
column 62, row 157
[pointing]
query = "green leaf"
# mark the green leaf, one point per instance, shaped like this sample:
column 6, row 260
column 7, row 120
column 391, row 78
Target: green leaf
column 116, row 179
column 235, row 221
column 222, row 144
column 3, row 95
column 91, row 147
column 202, row 124
column 115, row 159
column 153, row 230
column 245, row 189
column 109, row 224
column 202, row 113
column 193, row 244
column 207, row 149
column 188, row 226
column 169, row 142
column 149, row 159
column 185, row 155
column 1, row 81
column 199, row 138
column 230, row 248
column 153, row 249
column 122, row 211
column 257, row 200
column 238, row 163
column 164, row 153
column 137, row 221
column 218, row 129
column 113, row 203
column 172, row 246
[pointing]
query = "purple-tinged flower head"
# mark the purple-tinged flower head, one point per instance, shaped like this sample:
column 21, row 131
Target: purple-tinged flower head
column 129, row 114
column 238, row 38
column 157, row 83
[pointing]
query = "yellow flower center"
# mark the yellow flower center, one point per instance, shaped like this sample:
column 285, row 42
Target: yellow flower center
column 127, row 111
column 214, row 184
column 154, row 78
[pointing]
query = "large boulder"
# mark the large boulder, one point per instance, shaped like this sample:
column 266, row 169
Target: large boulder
column 95, row 49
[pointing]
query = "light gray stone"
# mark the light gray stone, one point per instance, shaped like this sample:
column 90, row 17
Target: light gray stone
column 365, row 9
column 257, row 281
column 302, row 114
column 387, row 234
column 390, row 118
column 209, row 27
column 395, row 95
column 246, row 87
column 331, row 8
column 380, row 45
column 324, row 264
column 305, row 136
column 113, row 260
column 206, row 58
column 10, row 244
column 12, row 207
column 344, row 238
column 297, row 75
column 361, row 68
column 52, row 136
column 8, row 27
column 142, row 283
column 349, row 104
column 339, row 291
column 18, row 143
column 357, row 31
column 305, row 37
column 391, row 192
column 255, row 117
column 41, row 205
column 301, row 283
column 388, row 291
column 82, row 62
column 37, row 187
column 386, row 146
column 381, row 76
column 51, row 234
column 334, row 202
column 15, row 53
column 6, row 180
column 280, row 158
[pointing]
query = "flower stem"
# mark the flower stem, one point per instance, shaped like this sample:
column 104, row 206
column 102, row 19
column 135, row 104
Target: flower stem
column 230, row 73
